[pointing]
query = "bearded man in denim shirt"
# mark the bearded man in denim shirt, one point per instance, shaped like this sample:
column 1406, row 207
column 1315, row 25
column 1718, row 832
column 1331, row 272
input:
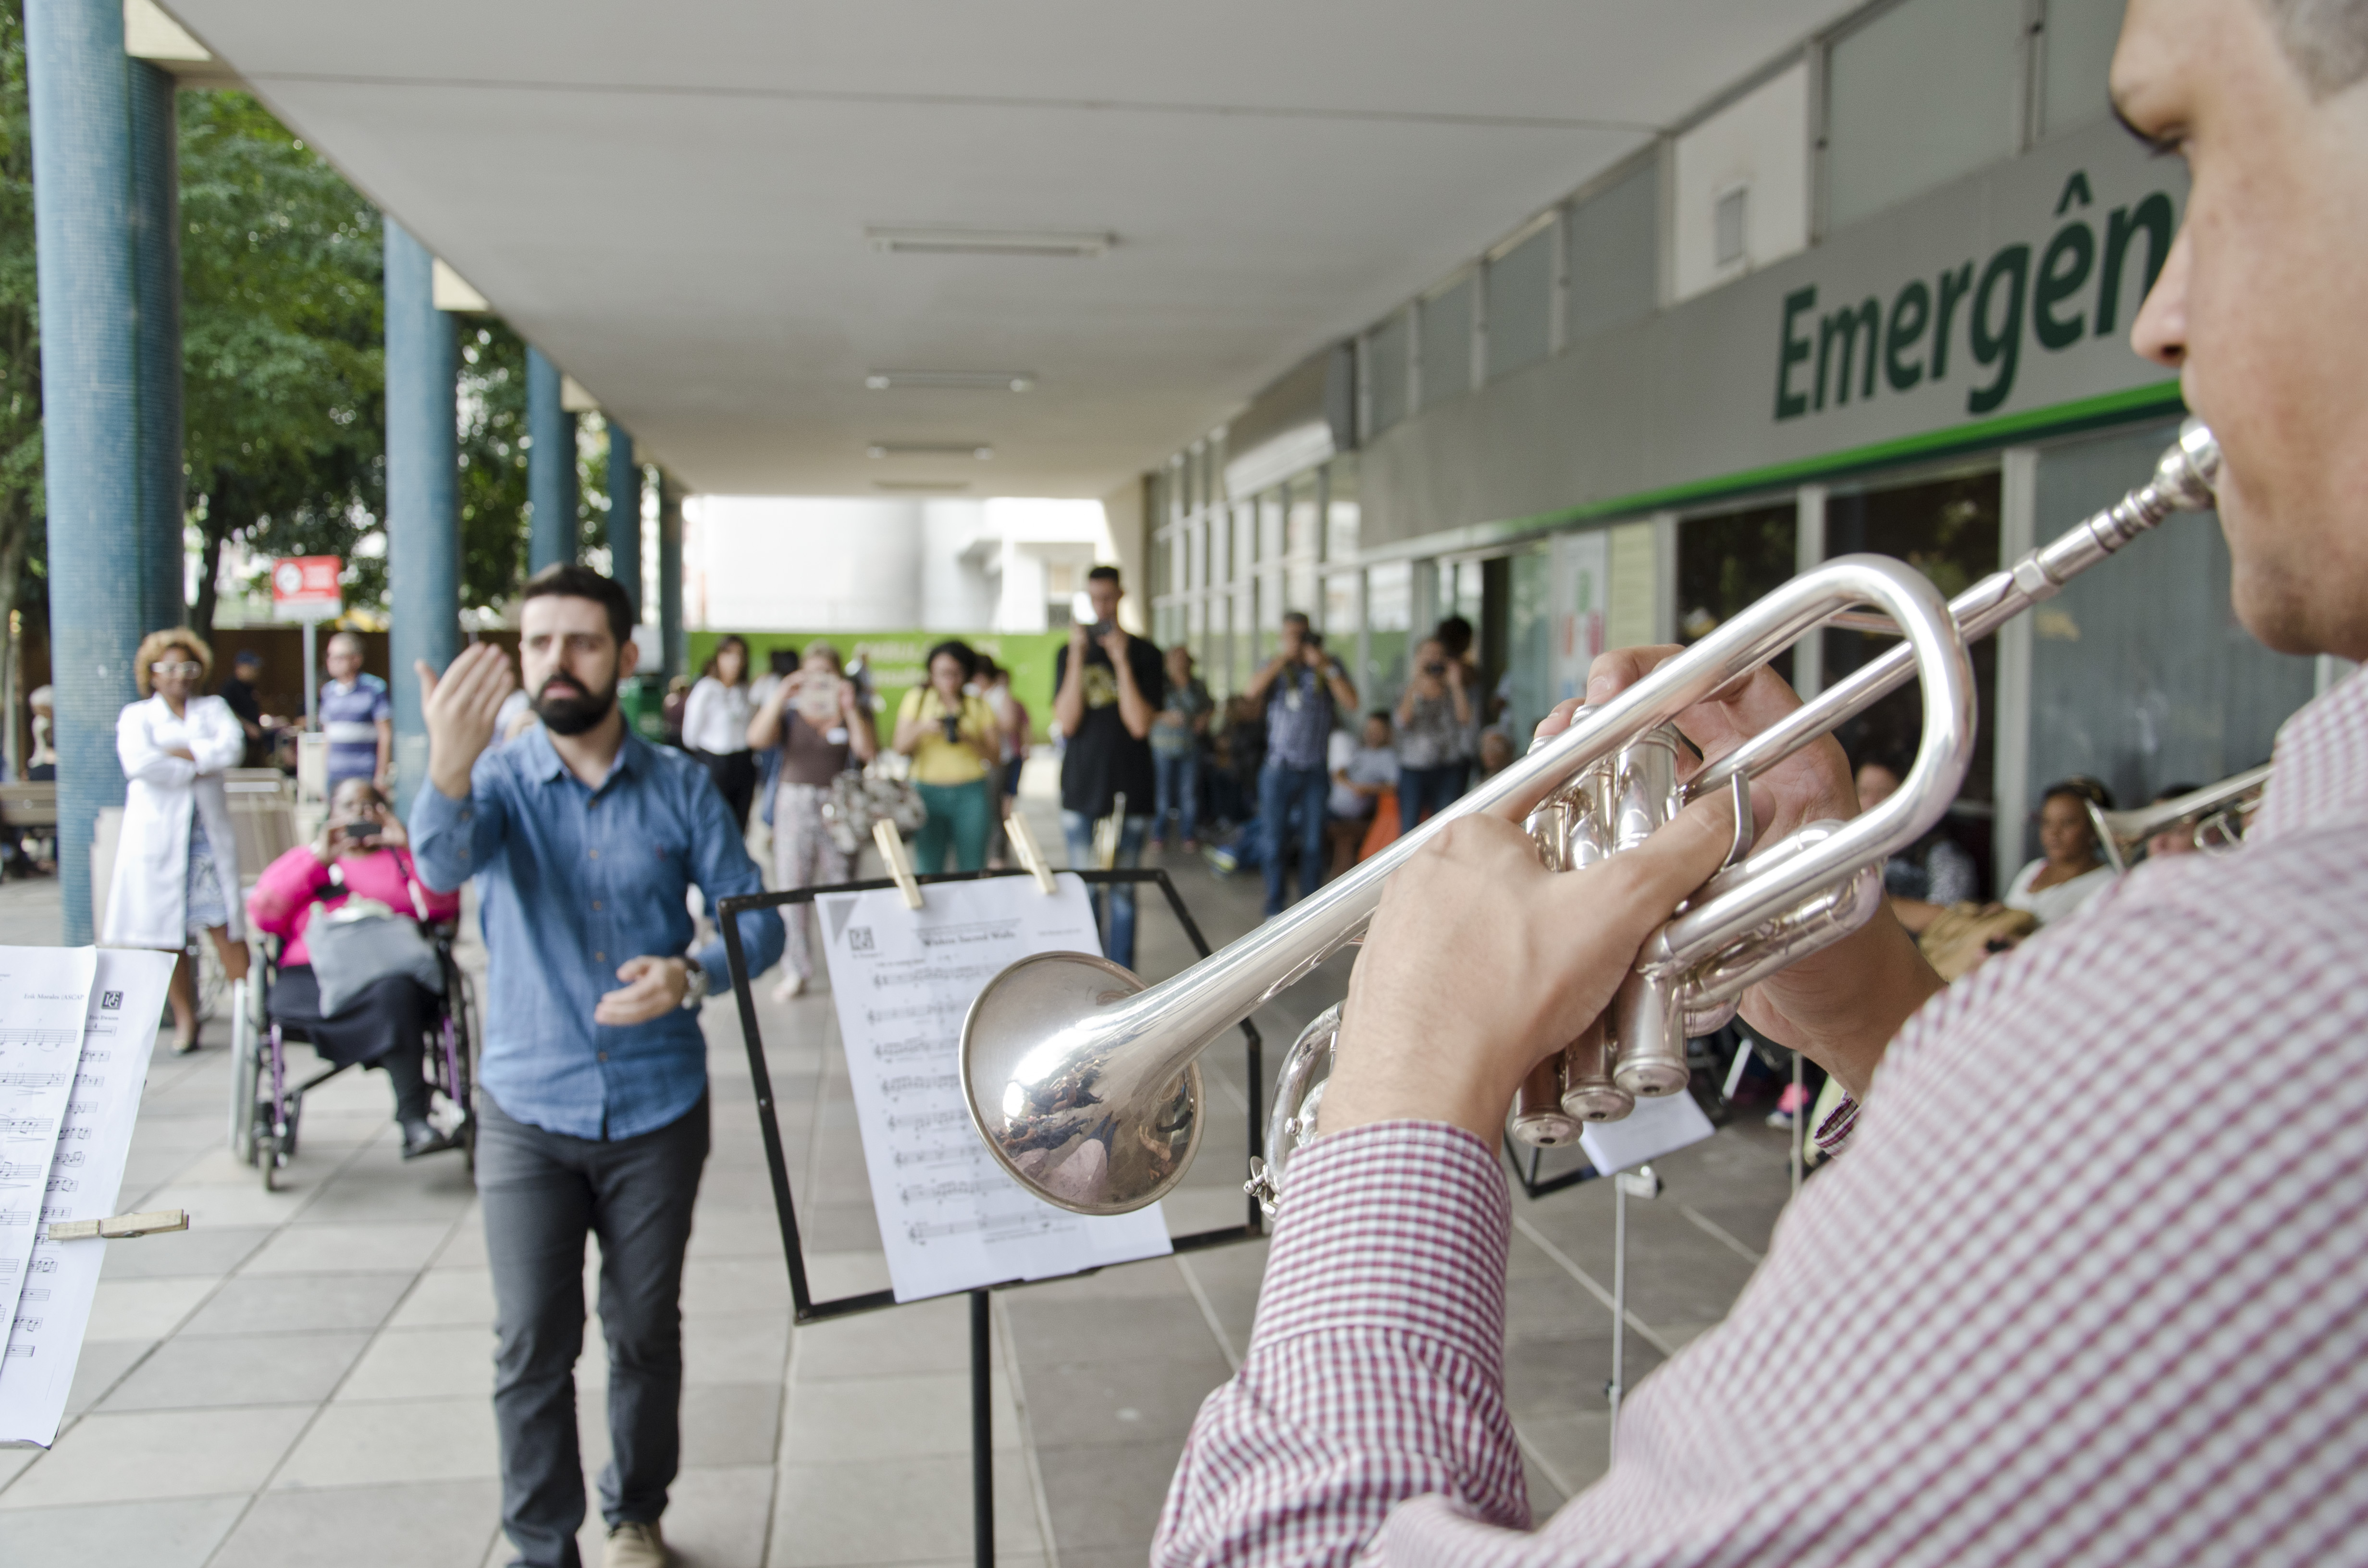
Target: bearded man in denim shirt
column 592, row 1095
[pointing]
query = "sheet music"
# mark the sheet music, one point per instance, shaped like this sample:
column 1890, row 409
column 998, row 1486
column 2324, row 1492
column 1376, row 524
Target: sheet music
column 126, row 992
column 1656, row 1127
column 44, row 993
column 903, row 979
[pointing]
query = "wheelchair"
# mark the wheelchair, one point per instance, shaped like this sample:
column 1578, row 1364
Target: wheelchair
column 266, row 1105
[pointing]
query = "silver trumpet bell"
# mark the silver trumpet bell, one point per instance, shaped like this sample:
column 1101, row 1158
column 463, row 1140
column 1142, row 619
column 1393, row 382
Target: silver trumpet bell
column 1084, row 1082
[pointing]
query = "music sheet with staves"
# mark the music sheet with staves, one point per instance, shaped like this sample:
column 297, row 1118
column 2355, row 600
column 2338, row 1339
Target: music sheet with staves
column 44, row 992
column 127, row 992
column 902, row 980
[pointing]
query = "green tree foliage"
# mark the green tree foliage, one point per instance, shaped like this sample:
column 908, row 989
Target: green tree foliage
column 493, row 463
column 282, row 345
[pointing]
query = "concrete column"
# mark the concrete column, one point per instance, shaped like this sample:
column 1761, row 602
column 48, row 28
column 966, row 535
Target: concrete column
column 423, row 539
column 78, row 85
column 672, row 643
column 625, row 515
column 155, row 220
column 550, row 468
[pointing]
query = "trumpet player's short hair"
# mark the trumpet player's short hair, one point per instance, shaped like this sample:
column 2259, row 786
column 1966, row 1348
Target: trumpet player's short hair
column 2327, row 41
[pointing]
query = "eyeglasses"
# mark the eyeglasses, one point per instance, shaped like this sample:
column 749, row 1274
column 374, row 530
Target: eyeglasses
column 175, row 667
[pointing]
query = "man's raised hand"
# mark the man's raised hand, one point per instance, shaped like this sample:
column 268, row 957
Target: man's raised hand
column 460, row 708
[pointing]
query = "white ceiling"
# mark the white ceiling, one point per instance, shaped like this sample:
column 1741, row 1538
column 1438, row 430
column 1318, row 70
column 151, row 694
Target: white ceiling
column 671, row 200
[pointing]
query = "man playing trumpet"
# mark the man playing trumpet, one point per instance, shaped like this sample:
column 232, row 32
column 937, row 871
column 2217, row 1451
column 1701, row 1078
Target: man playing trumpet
column 2118, row 1313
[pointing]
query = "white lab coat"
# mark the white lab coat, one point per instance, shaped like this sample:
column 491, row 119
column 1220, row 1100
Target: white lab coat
column 147, row 901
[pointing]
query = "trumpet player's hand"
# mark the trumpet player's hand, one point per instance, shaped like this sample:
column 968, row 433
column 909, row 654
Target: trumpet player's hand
column 1480, row 962
column 1841, row 1006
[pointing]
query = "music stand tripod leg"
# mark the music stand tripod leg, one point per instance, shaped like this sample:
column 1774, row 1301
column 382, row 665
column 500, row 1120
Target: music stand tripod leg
column 981, row 1434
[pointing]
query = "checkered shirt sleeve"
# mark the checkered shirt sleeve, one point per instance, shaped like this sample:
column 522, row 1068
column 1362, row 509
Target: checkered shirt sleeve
column 2092, row 1287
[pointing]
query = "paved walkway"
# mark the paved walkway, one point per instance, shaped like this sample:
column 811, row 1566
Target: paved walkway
column 304, row 1376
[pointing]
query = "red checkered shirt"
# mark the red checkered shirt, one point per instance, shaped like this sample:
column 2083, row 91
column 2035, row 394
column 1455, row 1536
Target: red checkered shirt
column 2090, row 1286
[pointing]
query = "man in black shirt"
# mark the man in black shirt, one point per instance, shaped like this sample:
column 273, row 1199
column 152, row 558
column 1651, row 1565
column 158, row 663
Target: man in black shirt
column 239, row 692
column 1107, row 687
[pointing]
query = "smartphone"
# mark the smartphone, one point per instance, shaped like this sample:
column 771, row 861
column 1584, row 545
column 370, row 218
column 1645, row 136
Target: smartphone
column 359, row 832
column 1101, row 629
column 1434, row 669
column 951, row 725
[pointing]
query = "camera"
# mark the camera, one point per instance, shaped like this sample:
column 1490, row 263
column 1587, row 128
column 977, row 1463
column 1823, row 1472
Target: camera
column 951, row 725
column 1101, row 629
column 1436, row 667
column 359, row 832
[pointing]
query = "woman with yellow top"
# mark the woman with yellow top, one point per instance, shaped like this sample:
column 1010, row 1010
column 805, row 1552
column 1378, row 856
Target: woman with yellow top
column 954, row 742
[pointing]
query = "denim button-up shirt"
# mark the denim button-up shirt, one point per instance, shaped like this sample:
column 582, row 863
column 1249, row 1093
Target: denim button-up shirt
column 571, row 883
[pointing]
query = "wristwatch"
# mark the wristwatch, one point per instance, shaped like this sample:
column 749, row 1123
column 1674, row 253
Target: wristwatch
column 694, row 987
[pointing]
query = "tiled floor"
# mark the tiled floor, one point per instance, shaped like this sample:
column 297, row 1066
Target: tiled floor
column 302, row 1376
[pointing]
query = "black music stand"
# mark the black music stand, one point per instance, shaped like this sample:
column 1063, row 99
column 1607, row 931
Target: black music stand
column 808, row 1309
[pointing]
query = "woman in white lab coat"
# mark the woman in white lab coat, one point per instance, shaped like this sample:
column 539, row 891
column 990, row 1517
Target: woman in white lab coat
column 177, row 863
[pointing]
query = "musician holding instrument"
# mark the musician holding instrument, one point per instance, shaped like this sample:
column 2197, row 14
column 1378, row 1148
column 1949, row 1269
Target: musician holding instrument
column 2088, row 1284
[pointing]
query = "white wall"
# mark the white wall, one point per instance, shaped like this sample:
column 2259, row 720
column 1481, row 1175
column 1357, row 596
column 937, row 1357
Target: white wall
column 1761, row 141
column 803, row 564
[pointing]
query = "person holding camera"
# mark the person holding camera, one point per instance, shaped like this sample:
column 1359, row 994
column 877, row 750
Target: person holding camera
column 1304, row 687
column 813, row 719
column 955, row 743
column 1434, row 717
column 1107, row 688
column 360, row 852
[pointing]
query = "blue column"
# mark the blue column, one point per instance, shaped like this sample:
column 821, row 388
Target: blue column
column 672, row 643
column 77, row 82
column 625, row 515
column 550, row 467
column 423, row 541
column 156, row 302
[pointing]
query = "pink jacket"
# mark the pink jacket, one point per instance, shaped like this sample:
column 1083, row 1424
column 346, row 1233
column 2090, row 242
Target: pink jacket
column 292, row 886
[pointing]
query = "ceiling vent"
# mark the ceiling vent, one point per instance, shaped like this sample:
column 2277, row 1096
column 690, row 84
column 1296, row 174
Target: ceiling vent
column 978, row 449
column 1056, row 244
column 954, row 380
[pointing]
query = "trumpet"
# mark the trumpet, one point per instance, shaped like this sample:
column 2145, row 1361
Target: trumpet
column 2214, row 817
column 1086, row 1086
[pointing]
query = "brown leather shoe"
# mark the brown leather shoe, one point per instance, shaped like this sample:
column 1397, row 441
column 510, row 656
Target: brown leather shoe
column 633, row 1545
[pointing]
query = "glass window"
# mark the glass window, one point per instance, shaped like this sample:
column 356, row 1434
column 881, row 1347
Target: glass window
column 1727, row 561
column 1341, row 592
column 1520, row 304
column 1529, row 645
column 1188, row 494
column 1385, row 362
column 2078, row 47
column 1447, row 345
column 1615, row 254
column 1340, row 509
column 1389, row 617
column 1300, row 542
column 1244, row 552
column 1947, row 529
column 1926, row 91
column 1270, row 549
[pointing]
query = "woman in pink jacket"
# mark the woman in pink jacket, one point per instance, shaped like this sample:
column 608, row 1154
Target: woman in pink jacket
column 361, row 853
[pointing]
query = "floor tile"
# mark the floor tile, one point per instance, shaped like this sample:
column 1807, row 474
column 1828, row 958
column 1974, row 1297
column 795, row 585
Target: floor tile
column 221, row 1371
column 731, row 1424
column 397, row 1248
column 296, row 1302
column 928, row 1336
column 211, row 1250
column 447, row 1298
column 715, row 1515
column 143, row 1309
column 868, row 1418
column 165, row 1454
column 431, row 1525
column 1108, row 1495
column 737, row 1349
column 101, row 1364
column 177, row 1533
column 1119, row 1402
column 735, row 1285
column 229, row 1206
column 425, row 1363
column 912, row 1511
column 371, row 1444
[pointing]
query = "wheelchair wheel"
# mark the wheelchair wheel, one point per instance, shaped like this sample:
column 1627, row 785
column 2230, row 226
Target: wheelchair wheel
column 246, row 1071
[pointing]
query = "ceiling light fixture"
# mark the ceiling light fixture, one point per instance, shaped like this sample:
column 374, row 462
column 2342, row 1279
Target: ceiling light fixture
column 1054, row 244
column 954, row 380
column 922, row 486
column 978, row 449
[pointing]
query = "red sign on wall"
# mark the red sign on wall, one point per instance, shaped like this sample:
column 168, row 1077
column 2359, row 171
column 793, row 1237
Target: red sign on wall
column 306, row 587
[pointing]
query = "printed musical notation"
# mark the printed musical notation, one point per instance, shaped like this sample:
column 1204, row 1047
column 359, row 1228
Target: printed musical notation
column 79, row 1133
column 904, row 980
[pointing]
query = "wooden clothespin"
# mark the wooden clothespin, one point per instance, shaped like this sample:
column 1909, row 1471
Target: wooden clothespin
column 1108, row 831
column 1024, row 844
column 115, row 1227
column 900, row 865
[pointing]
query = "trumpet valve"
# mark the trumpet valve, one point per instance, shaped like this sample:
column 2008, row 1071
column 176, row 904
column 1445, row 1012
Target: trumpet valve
column 1538, row 1117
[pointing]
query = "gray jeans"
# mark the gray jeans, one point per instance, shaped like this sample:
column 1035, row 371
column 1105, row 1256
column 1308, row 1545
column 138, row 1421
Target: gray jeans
column 542, row 1193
